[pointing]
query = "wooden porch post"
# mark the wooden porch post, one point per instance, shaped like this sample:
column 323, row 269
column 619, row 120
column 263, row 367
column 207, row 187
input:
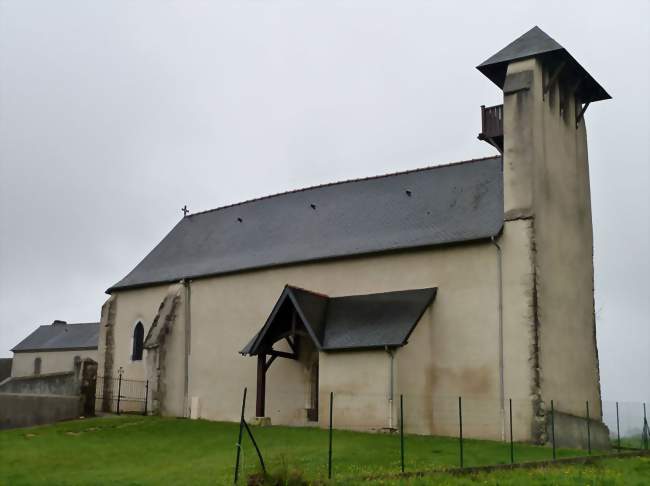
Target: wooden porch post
column 261, row 385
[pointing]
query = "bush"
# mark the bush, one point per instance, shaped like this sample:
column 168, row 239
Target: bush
column 294, row 478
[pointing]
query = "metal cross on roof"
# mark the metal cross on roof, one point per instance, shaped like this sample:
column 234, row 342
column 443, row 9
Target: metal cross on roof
column 185, row 210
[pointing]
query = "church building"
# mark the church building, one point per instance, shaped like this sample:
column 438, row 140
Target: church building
column 473, row 279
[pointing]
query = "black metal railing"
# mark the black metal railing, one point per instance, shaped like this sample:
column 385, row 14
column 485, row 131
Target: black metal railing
column 122, row 394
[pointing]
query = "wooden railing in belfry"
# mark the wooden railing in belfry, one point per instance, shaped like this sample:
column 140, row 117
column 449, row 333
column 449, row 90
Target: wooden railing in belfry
column 492, row 121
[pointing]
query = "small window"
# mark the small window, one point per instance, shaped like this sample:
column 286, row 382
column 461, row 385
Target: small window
column 37, row 366
column 138, row 342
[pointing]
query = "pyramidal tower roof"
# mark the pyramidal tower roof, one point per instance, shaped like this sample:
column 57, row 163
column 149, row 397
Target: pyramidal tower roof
column 532, row 43
column 537, row 43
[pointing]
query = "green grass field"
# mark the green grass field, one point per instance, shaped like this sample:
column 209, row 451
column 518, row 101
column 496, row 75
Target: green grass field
column 148, row 450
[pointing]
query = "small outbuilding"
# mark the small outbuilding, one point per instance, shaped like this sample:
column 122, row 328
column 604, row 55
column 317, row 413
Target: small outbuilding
column 55, row 348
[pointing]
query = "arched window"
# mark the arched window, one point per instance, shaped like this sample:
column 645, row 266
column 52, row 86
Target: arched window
column 37, row 366
column 138, row 342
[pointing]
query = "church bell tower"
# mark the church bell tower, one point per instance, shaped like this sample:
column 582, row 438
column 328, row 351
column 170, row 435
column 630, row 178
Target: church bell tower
column 540, row 131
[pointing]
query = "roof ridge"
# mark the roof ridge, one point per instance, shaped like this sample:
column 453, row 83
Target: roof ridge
column 346, row 181
column 69, row 324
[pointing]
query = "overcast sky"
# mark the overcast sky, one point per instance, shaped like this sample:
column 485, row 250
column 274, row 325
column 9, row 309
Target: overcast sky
column 113, row 115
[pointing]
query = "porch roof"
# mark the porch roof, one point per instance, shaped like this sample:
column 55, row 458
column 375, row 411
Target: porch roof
column 352, row 322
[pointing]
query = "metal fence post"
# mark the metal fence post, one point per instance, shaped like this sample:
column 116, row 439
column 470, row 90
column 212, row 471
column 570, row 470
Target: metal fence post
column 119, row 392
column 646, row 429
column 588, row 430
column 401, row 428
column 241, row 431
column 512, row 444
column 618, row 430
column 460, row 429
column 257, row 449
column 553, row 427
column 146, row 396
column 329, row 460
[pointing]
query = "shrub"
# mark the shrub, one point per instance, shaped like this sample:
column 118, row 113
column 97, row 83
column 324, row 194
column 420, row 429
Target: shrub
column 282, row 475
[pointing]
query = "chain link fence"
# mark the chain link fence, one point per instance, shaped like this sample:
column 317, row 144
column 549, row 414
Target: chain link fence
column 418, row 433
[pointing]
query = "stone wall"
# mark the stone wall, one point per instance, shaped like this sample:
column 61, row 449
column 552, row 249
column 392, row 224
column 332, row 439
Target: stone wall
column 48, row 384
column 25, row 410
column 5, row 368
column 571, row 431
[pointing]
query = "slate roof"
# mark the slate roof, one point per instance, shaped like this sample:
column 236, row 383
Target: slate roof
column 59, row 337
column 536, row 42
column 423, row 207
column 352, row 322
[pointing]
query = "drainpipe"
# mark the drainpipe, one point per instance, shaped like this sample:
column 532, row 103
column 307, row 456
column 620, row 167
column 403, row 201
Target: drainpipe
column 188, row 337
column 502, row 399
column 391, row 391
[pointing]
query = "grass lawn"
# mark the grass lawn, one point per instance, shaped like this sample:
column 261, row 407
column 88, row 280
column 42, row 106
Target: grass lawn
column 149, row 450
column 614, row 472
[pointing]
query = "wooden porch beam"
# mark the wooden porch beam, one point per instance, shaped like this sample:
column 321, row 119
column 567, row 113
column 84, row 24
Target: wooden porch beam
column 291, row 345
column 269, row 362
column 282, row 354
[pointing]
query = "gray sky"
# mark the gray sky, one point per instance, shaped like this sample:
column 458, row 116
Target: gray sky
column 113, row 115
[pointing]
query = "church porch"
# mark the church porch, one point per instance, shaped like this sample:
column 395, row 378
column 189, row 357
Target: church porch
column 311, row 328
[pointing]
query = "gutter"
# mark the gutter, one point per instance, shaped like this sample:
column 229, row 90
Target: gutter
column 321, row 259
column 502, row 399
column 39, row 350
column 391, row 389
column 188, row 337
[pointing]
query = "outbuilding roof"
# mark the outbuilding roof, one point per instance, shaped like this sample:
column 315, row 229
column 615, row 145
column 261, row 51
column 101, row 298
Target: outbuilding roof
column 60, row 336
column 423, row 207
column 379, row 320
